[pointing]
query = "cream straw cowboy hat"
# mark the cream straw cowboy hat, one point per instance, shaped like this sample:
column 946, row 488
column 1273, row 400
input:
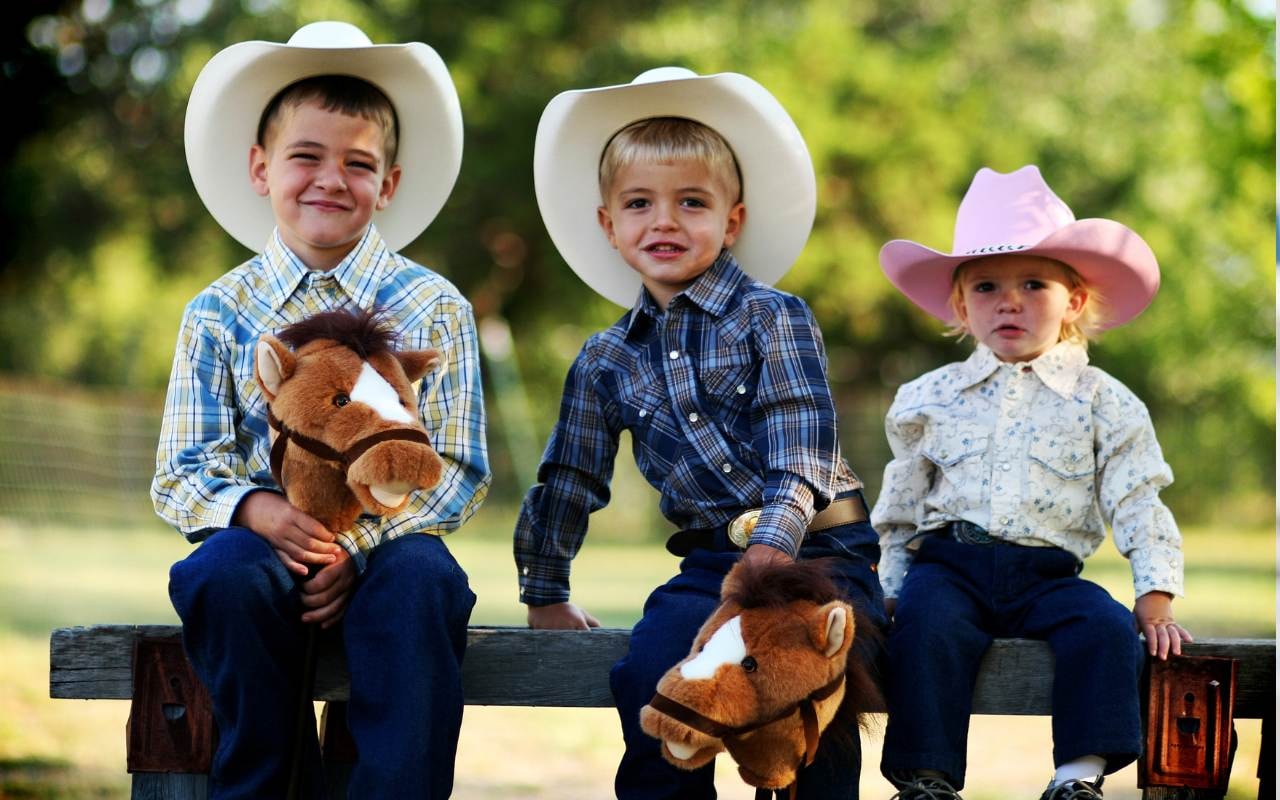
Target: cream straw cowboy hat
column 1019, row 213
column 234, row 88
column 778, row 186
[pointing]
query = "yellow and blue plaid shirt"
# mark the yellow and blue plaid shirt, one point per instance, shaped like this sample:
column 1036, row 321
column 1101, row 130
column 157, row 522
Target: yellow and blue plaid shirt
column 726, row 397
column 214, row 447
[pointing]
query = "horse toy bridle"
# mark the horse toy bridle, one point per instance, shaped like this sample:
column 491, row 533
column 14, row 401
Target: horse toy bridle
column 807, row 708
column 286, row 436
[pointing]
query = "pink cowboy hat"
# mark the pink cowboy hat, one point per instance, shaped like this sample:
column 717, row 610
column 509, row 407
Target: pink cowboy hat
column 1019, row 213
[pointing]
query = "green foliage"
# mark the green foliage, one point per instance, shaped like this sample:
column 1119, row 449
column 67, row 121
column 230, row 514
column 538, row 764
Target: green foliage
column 1157, row 113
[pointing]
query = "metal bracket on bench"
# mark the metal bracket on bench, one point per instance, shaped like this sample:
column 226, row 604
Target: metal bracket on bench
column 1190, row 738
column 170, row 726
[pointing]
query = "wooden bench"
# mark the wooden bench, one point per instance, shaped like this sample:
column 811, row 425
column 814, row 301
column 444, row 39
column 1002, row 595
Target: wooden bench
column 520, row 667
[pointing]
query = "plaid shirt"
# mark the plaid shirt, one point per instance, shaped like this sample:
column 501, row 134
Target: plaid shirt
column 214, row 448
column 726, row 398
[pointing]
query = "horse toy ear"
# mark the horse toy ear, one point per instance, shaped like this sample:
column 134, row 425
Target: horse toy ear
column 417, row 363
column 273, row 365
column 831, row 628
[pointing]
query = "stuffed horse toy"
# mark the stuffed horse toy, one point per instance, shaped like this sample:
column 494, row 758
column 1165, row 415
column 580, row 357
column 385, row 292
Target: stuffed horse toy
column 768, row 673
column 346, row 434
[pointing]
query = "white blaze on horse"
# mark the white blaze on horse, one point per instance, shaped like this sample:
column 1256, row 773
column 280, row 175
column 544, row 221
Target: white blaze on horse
column 769, row 671
column 345, row 430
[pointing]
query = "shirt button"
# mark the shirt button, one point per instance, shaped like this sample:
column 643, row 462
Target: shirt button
column 693, row 417
column 1005, row 520
column 673, row 355
column 726, row 467
column 524, row 571
column 644, row 412
column 1005, row 466
column 742, row 389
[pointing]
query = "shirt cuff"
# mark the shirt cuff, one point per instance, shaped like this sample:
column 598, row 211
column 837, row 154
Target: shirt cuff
column 893, row 569
column 223, row 510
column 543, row 581
column 359, row 557
column 1156, row 569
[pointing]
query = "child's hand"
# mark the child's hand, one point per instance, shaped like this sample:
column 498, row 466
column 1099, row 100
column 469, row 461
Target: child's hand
column 325, row 596
column 298, row 539
column 1154, row 612
column 762, row 554
column 561, row 616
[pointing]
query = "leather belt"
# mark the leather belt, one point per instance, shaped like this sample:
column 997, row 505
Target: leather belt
column 846, row 509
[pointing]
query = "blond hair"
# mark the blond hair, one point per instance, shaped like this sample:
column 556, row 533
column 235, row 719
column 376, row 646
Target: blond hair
column 670, row 139
column 1087, row 325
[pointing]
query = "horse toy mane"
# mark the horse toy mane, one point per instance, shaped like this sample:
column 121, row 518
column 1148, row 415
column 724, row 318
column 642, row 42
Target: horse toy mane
column 346, row 434
column 769, row 672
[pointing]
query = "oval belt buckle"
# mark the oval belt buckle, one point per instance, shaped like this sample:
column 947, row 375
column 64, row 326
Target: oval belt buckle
column 741, row 527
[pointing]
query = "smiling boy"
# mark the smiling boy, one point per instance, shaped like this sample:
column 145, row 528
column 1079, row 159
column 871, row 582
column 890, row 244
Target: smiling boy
column 719, row 378
column 327, row 153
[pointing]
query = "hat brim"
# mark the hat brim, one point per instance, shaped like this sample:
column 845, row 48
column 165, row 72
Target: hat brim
column 1111, row 258
column 779, row 188
column 233, row 90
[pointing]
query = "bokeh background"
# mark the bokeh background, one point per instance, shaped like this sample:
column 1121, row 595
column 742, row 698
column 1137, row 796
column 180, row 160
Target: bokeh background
column 1157, row 113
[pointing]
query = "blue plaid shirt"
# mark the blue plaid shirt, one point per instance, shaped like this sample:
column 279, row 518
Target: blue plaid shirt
column 214, row 447
column 726, row 398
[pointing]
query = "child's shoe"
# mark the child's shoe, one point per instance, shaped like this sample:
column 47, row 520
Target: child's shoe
column 914, row 786
column 1073, row 790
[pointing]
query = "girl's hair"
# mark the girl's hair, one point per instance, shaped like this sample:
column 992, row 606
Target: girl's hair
column 1088, row 324
column 668, row 139
column 345, row 94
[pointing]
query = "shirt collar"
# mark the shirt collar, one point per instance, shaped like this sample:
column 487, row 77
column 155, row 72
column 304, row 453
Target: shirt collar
column 359, row 273
column 1059, row 367
column 712, row 291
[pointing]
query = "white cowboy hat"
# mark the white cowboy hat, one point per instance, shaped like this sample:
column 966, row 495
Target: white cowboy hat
column 1019, row 213
column 778, row 184
column 233, row 90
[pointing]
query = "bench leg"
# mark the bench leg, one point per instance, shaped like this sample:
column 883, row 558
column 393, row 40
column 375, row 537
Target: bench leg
column 169, row 786
column 1267, row 760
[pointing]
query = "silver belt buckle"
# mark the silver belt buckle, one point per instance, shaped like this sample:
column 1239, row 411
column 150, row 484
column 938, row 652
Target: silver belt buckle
column 741, row 527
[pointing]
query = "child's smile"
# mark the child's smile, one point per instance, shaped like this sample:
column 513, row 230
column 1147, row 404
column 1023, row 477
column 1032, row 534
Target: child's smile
column 1016, row 305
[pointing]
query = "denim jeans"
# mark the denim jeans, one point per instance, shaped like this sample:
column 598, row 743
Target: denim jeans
column 955, row 600
column 672, row 616
column 404, row 634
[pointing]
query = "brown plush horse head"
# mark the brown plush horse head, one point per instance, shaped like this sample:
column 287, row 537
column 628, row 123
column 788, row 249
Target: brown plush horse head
column 768, row 672
column 346, row 434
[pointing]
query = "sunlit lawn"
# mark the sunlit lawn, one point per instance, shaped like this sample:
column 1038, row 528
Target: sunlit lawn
column 60, row 577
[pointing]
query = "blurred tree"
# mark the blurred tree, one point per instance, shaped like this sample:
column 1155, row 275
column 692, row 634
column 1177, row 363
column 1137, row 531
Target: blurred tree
column 1157, row 113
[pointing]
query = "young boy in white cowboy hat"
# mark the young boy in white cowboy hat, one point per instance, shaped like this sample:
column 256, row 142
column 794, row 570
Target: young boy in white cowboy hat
column 683, row 197
column 326, row 154
column 1004, row 469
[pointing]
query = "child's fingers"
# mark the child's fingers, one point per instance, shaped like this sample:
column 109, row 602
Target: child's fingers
column 289, row 563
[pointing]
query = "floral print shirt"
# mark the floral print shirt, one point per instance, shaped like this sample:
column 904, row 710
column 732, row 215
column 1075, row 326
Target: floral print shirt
column 1037, row 453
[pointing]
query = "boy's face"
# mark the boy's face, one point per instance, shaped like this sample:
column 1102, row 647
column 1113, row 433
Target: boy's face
column 325, row 174
column 1017, row 305
column 669, row 221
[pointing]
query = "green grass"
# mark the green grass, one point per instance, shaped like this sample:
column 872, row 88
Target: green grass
column 59, row 577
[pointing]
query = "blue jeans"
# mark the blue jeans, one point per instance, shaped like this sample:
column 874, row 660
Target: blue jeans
column 955, row 600
column 663, row 636
column 404, row 634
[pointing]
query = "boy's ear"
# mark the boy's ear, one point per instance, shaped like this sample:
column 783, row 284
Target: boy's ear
column 273, row 364
column 258, row 169
column 417, row 363
column 390, row 181
column 733, row 228
column 605, row 219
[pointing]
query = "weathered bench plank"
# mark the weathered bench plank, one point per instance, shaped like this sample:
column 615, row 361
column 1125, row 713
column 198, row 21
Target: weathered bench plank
column 520, row 667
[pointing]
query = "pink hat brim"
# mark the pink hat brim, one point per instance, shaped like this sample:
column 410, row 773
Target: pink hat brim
column 1113, row 260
